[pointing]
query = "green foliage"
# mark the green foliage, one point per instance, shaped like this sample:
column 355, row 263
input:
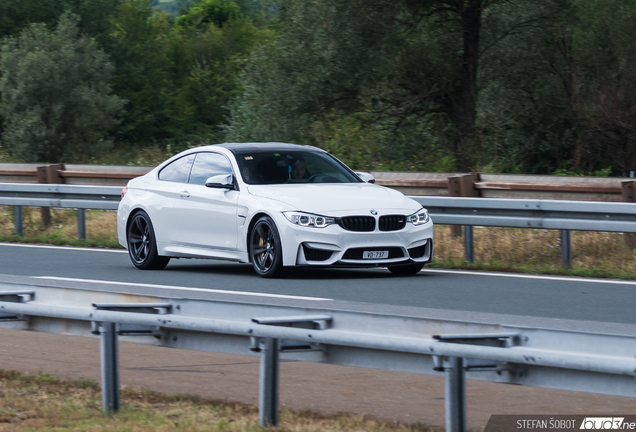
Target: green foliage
column 178, row 75
column 400, row 65
column 209, row 46
column 546, row 86
column 167, row 6
column 205, row 12
column 567, row 172
column 347, row 138
column 561, row 93
column 556, row 84
column 138, row 44
column 604, row 172
column 15, row 15
column 56, row 100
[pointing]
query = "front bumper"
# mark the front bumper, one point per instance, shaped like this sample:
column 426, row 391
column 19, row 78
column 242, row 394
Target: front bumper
column 335, row 246
column 353, row 257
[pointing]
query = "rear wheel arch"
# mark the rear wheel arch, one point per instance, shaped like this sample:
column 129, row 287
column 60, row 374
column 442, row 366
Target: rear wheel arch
column 131, row 215
column 142, row 250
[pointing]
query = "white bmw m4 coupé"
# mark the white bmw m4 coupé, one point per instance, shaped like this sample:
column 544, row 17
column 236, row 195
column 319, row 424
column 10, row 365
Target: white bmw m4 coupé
column 273, row 205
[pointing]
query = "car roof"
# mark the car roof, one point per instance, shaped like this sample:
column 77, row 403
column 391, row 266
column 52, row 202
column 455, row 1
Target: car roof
column 242, row 147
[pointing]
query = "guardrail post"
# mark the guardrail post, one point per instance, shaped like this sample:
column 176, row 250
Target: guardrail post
column 628, row 188
column 268, row 391
column 454, row 190
column 455, row 386
column 110, row 367
column 17, row 220
column 81, row 223
column 566, row 249
column 469, row 244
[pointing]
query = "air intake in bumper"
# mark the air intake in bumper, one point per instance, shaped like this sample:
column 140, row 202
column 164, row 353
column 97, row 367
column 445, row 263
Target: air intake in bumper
column 312, row 254
column 356, row 253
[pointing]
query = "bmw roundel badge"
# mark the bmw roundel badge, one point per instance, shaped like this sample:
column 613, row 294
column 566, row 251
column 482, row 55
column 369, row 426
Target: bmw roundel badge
column 373, row 212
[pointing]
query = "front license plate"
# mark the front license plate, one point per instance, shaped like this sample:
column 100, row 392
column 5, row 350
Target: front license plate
column 375, row 254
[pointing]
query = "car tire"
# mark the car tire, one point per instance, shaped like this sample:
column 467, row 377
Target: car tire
column 266, row 252
column 142, row 243
column 406, row 269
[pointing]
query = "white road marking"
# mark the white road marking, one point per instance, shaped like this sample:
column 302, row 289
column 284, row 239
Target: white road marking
column 527, row 276
column 182, row 288
column 83, row 249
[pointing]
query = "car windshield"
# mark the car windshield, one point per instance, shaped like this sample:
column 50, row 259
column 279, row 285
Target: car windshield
column 277, row 167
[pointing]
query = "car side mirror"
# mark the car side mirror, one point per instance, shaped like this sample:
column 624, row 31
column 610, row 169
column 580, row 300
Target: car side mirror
column 222, row 181
column 365, row 176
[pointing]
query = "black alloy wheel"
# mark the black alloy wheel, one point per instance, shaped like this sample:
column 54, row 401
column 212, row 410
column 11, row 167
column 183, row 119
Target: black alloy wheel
column 266, row 251
column 406, row 269
column 142, row 246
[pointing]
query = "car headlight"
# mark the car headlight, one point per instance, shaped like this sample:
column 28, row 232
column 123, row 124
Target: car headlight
column 308, row 219
column 419, row 218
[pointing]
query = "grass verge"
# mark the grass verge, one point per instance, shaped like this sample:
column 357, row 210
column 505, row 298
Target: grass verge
column 537, row 251
column 44, row 403
column 101, row 227
column 594, row 254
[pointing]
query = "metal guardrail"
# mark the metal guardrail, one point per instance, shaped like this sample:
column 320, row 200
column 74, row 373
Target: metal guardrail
column 542, row 214
column 59, row 196
column 552, row 358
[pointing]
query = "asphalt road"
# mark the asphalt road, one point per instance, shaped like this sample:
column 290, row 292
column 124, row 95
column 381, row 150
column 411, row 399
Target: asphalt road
column 608, row 301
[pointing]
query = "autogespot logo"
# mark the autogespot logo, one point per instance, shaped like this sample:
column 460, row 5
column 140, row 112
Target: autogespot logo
column 561, row 423
column 598, row 423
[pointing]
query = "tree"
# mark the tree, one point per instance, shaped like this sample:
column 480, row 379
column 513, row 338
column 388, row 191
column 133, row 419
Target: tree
column 412, row 66
column 563, row 93
column 18, row 14
column 138, row 43
column 56, row 99
column 210, row 44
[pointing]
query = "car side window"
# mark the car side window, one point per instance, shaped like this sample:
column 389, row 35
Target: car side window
column 177, row 171
column 207, row 165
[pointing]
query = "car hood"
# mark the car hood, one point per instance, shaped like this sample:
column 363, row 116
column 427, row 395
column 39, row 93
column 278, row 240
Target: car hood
column 323, row 198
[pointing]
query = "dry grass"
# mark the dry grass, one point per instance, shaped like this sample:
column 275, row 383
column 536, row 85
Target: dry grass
column 44, row 403
column 532, row 250
column 100, row 227
column 506, row 249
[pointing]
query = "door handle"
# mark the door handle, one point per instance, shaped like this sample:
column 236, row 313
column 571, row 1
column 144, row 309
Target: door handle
column 184, row 194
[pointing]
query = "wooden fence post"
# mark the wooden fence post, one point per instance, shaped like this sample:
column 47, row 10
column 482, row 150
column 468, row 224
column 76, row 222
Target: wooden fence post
column 46, row 212
column 49, row 174
column 462, row 186
column 53, row 175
